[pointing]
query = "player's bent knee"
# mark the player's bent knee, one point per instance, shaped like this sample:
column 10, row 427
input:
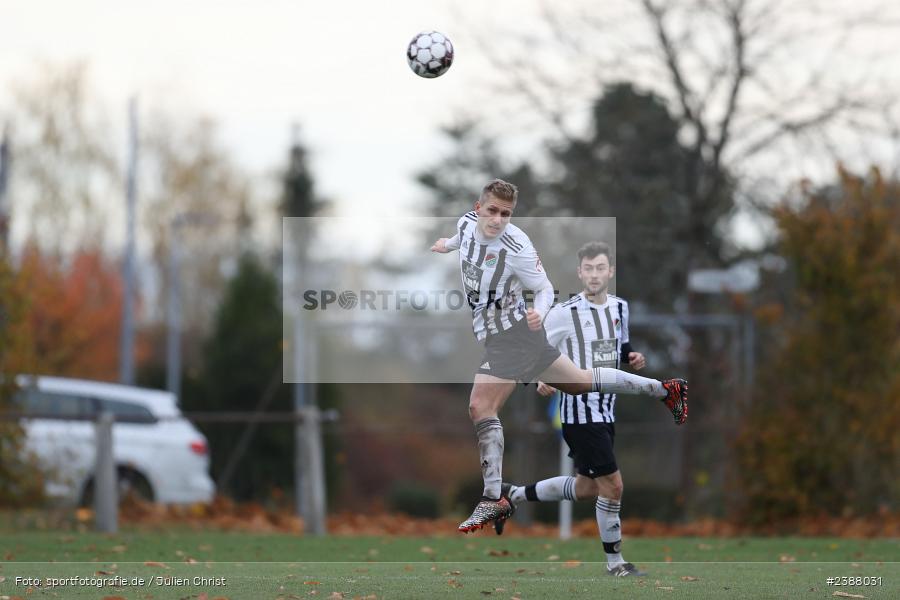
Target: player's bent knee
column 479, row 410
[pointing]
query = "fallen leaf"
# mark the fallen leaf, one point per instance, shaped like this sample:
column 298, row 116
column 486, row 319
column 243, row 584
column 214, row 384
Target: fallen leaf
column 454, row 583
column 498, row 552
column 119, row 548
column 455, row 573
column 426, row 550
column 203, row 596
column 2, row 578
column 689, row 578
column 785, row 558
column 336, row 596
column 668, row 589
column 311, row 583
column 553, row 557
column 84, row 514
column 571, row 564
column 153, row 563
column 121, row 598
column 846, row 595
column 408, row 568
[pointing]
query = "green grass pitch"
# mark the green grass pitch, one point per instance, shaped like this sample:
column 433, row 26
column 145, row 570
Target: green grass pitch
column 164, row 564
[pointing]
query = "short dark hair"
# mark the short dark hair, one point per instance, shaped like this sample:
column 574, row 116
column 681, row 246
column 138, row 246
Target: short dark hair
column 501, row 190
column 592, row 249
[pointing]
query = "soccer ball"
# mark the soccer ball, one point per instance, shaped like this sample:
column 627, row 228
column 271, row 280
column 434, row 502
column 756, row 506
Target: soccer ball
column 430, row 54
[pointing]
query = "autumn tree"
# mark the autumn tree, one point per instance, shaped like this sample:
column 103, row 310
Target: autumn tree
column 822, row 432
column 242, row 361
column 72, row 314
column 20, row 484
column 64, row 171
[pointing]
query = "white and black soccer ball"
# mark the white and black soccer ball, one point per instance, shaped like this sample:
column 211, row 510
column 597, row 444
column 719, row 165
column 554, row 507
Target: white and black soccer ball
column 430, row 54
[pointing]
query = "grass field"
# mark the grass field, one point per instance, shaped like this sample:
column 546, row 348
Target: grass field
column 274, row 566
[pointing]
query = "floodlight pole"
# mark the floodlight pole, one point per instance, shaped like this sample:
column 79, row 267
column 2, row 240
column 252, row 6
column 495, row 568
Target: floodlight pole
column 5, row 155
column 126, row 340
column 309, row 469
column 173, row 307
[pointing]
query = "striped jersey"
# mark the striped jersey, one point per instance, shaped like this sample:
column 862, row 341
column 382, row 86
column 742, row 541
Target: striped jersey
column 592, row 336
column 495, row 274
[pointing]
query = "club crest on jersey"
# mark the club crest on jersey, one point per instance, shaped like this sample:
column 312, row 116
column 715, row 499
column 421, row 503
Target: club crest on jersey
column 490, row 260
column 617, row 324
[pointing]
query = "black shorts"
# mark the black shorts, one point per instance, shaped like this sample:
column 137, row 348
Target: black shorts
column 518, row 354
column 591, row 445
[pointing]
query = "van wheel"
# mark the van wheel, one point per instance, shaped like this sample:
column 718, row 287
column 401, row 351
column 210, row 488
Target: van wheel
column 132, row 485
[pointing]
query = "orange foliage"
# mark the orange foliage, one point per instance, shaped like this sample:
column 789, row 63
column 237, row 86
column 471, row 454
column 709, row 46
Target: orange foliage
column 227, row 515
column 74, row 315
column 822, row 435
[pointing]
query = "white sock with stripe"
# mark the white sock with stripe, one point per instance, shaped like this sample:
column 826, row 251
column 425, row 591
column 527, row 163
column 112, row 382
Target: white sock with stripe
column 546, row 490
column 610, row 529
column 614, row 381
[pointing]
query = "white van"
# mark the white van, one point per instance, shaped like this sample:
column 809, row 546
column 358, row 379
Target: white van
column 159, row 455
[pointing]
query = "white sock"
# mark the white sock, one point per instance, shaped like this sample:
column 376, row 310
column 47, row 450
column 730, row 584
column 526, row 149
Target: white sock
column 614, row 381
column 546, row 490
column 610, row 530
column 490, row 448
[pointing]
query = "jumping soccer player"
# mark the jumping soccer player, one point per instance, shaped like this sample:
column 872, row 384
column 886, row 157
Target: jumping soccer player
column 592, row 328
column 498, row 264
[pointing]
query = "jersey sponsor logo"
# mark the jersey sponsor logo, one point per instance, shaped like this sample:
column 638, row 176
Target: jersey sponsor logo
column 490, row 260
column 471, row 278
column 486, row 366
column 605, row 353
column 588, row 324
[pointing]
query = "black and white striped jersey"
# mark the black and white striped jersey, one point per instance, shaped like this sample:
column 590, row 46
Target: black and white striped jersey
column 495, row 273
column 592, row 336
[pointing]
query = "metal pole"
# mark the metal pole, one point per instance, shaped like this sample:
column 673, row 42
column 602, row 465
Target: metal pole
column 300, row 401
column 315, row 479
column 173, row 339
column 5, row 154
column 106, row 505
column 749, row 355
column 126, row 341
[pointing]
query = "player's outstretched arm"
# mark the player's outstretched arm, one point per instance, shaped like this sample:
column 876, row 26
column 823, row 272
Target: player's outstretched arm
column 445, row 245
column 440, row 246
